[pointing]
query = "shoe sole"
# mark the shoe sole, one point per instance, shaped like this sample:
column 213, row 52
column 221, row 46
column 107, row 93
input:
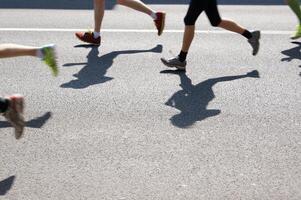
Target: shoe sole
column 96, row 44
column 162, row 24
column 173, row 66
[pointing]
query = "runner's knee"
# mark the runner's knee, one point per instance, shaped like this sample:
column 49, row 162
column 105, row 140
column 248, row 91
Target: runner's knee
column 189, row 21
column 215, row 22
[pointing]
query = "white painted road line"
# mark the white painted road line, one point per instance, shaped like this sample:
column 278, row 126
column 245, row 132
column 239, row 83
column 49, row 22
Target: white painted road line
column 266, row 32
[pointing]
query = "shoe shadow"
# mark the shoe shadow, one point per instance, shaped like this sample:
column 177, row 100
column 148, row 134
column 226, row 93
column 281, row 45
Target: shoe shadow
column 95, row 69
column 192, row 100
column 292, row 53
column 34, row 123
column 6, row 184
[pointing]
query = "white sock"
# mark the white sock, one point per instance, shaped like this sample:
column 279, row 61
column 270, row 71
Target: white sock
column 96, row 34
column 154, row 16
column 40, row 53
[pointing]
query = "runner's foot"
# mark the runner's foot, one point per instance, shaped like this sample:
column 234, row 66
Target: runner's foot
column 297, row 34
column 174, row 62
column 160, row 22
column 88, row 37
column 254, row 42
column 49, row 57
column 14, row 114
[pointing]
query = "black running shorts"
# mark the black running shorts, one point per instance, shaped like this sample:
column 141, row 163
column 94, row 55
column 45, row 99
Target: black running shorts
column 196, row 7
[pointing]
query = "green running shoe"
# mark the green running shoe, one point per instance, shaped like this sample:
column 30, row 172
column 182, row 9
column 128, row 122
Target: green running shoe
column 297, row 33
column 49, row 57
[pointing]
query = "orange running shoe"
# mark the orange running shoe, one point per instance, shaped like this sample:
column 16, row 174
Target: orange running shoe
column 160, row 22
column 88, row 37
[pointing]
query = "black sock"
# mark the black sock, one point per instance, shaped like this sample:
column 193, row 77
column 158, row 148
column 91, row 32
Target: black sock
column 3, row 105
column 182, row 56
column 247, row 34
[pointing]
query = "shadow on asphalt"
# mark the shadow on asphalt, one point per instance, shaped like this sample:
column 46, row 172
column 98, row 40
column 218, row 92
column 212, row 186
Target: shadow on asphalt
column 34, row 123
column 192, row 100
column 6, row 184
column 95, row 69
column 88, row 4
column 292, row 53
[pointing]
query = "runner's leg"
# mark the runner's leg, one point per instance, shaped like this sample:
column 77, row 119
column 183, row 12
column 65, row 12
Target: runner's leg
column 215, row 20
column 158, row 17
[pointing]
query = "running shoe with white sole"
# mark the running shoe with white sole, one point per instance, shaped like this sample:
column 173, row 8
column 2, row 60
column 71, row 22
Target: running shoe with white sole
column 174, row 62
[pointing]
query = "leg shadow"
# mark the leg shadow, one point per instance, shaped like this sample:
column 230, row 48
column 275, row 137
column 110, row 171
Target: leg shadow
column 6, row 185
column 34, row 123
column 39, row 121
column 95, row 69
column 192, row 100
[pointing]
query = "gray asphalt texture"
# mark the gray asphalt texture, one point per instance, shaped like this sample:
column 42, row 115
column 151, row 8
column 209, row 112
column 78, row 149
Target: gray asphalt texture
column 117, row 124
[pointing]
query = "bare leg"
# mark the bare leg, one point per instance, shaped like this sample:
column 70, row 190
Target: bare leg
column 231, row 26
column 137, row 5
column 94, row 37
column 253, row 38
column 14, row 50
column 179, row 61
column 188, row 37
column 99, row 7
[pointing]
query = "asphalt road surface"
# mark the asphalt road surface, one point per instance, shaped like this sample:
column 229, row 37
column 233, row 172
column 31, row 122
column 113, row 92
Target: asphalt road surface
column 117, row 124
